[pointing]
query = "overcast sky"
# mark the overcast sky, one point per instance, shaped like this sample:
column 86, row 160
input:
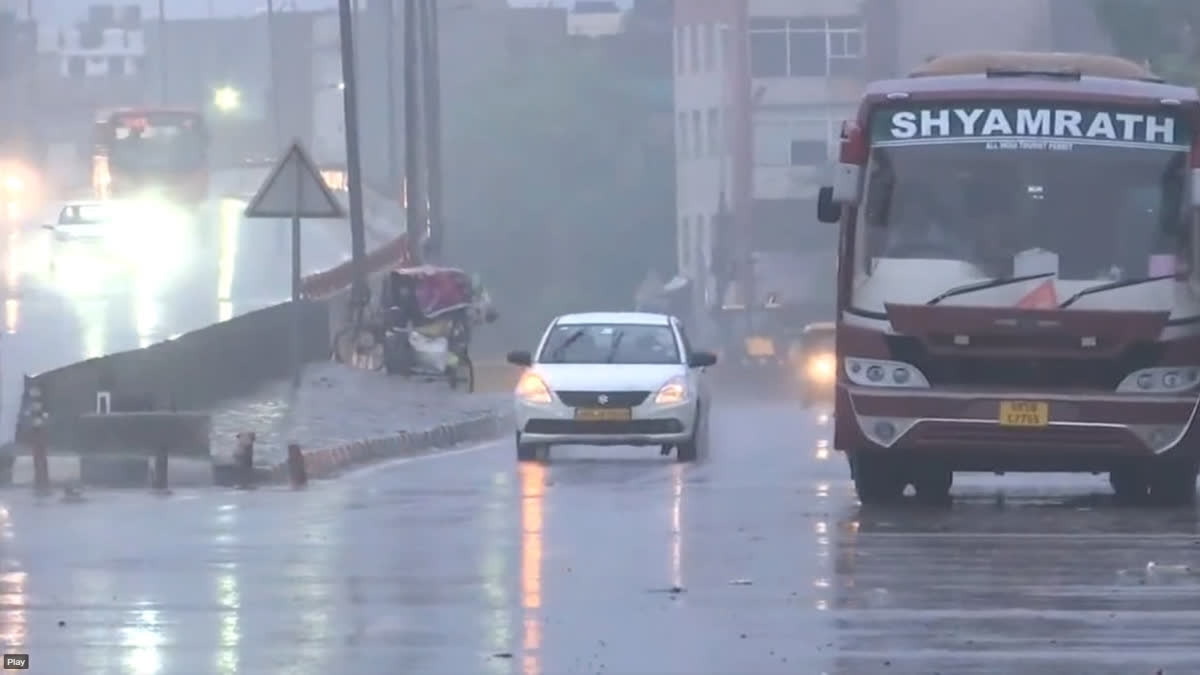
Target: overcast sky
column 70, row 11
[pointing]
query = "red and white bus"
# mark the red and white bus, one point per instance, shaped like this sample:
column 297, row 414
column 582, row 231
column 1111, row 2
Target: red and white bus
column 151, row 151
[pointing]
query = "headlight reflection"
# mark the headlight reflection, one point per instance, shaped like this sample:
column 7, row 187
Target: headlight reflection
column 533, row 486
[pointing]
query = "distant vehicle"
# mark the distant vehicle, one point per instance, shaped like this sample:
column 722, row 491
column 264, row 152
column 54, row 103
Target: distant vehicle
column 817, row 363
column 1016, row 281
column 82, row 220
column 620, row 378
column 159, row 152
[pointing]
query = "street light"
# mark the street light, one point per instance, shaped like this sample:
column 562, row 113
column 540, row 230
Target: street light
column 227, row 99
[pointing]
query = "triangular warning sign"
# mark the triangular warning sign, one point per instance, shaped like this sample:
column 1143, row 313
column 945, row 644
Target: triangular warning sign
column 294, row 189
column 1042, row 297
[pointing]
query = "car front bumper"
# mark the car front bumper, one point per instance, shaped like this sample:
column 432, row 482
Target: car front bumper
column 650, row 424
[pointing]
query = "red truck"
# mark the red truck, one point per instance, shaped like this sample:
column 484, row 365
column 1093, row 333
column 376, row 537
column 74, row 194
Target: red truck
column 1017, row 287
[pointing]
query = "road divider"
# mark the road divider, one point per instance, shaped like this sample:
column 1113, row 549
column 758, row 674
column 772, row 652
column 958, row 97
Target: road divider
column 138, row 437
column 302, row 465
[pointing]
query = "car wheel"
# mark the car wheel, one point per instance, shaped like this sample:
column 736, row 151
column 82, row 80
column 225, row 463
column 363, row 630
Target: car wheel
column 690, row 450
column 530, row 452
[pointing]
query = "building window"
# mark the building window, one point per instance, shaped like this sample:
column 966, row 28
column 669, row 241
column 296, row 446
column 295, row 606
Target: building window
column 685, row 243
column 714, row 132
column 697, row 134
column 694, row 48
column 680, row 48
column 681, row 134
column 785, row 140
column 806, row 47
column 768, row 48
column 709, row 43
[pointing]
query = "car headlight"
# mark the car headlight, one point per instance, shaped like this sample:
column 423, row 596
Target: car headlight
column 821, row 367
column 884, row 373
column 1163, row 380
column 674, row 391
column 531, row 388
column 14, row 184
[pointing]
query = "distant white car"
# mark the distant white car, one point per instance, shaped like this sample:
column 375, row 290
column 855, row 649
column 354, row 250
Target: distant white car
column 620, row 378
column 82, row 220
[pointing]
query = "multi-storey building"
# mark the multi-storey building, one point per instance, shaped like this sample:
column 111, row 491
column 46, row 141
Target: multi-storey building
column 761, row 88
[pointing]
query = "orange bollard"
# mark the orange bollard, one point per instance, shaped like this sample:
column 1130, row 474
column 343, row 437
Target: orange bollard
column 158, row 481
column 296, row 470
column 41, row 463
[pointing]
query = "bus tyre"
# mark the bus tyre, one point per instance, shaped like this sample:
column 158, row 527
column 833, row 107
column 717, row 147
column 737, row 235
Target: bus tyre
column 1130, row 484
column 877, row 478
column 1173, row 483
column 932, row 484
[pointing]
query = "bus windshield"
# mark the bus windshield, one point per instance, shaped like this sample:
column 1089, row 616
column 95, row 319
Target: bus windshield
column 1106, row 208
column 157, row 142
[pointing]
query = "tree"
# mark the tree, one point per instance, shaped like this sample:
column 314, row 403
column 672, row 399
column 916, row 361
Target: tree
column 1165, row 33
column 562, row 186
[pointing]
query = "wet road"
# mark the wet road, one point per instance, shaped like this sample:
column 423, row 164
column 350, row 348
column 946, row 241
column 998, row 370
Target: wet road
column 64, row 302
column 616, row 561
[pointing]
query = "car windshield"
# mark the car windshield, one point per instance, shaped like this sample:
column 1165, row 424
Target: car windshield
column 610, row 343
column 1103, row 192
column 83, row 214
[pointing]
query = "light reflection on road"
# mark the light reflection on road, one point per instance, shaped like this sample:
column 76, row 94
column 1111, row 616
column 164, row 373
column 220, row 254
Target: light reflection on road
column 230, row 229
column 533, row 494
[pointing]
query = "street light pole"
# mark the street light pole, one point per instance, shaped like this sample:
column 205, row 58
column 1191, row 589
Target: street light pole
column 162, row 51
column 414, row 195
column 393, row 146
column 358, row 240
column 433, row 126
column 273, row 71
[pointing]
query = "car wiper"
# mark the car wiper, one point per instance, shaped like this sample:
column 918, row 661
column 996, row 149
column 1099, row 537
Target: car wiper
column 616, row 344
column 986, row 284
column 1124, row 283
column 557, row 352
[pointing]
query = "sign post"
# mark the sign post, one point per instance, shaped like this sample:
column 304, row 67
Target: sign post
column 295, row 189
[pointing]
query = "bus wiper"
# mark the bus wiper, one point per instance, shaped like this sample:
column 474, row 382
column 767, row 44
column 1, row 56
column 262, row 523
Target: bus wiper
column 986, row 284
column 1111, row 285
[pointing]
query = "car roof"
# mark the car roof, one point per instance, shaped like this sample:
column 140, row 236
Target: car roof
column 628, row 318
column 67, row 205
column 820, row 327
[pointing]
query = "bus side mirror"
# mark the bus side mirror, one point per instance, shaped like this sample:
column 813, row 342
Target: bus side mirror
column 827, row 210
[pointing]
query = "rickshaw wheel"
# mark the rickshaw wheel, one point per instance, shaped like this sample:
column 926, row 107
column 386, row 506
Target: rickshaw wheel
column 463, row 373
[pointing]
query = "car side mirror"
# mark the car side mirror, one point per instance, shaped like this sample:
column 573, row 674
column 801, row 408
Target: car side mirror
column 702, row 360
column 491, row 315
column 828, row 211
column 520, row 358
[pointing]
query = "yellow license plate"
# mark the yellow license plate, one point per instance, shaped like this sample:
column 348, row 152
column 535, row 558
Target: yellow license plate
column 1024, row 413
column 603, row 414
column 760, row 346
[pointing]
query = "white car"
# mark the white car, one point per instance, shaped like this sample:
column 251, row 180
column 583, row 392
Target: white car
column 613, row 378
column 82, row 220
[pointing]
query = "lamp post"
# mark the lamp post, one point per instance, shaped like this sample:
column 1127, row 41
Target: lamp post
column 358, row 240
column 162, row 51
column 414, row 195
column 433, row 125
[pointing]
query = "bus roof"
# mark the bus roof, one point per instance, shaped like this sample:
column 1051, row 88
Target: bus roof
column 103, row 115
column 1034, row 63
